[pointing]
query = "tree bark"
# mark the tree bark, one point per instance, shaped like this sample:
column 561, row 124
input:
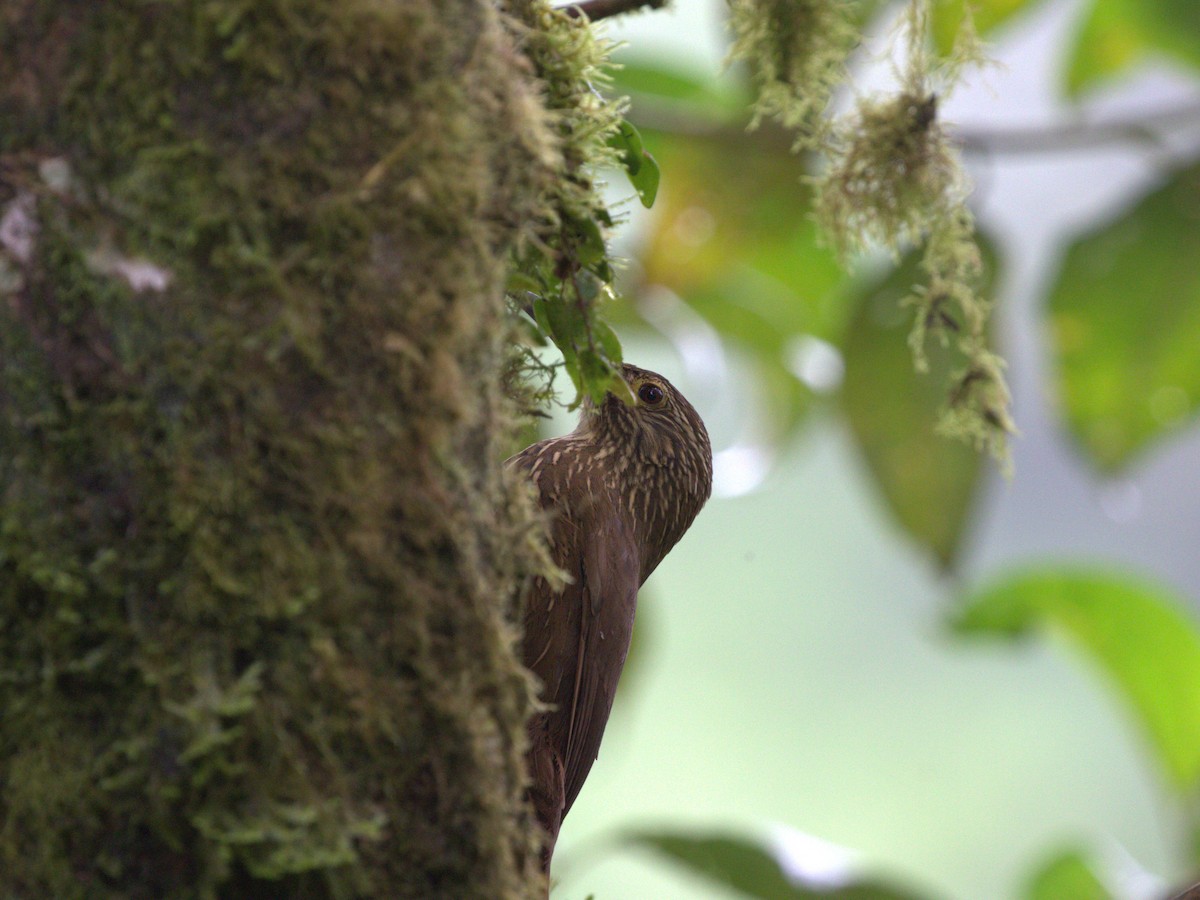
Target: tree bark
column 257, row 556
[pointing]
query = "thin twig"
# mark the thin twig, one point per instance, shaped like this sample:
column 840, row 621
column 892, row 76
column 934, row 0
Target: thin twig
column 1143, row 128
column 1147, row 128
column 602, row 9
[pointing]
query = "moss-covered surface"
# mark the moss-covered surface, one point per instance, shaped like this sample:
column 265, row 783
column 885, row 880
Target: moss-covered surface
column 256, row 556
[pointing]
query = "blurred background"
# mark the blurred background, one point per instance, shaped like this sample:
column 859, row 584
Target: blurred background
column 798, row 683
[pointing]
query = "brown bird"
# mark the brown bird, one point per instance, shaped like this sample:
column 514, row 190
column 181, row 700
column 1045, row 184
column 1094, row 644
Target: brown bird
column 622, row 489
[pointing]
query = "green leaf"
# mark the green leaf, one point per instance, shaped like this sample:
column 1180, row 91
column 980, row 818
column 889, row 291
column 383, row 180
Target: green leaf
column 1125, row 314
column 1066, row 875
column 744, row 254
column 987, row 14
column 520, row 281
column 1116, row 34
column 591, row 248
column 652, row 79
column 562, row 321
column 641, row 167
column 541, row 315
column 608, row 341
column 628, row 143
column 745, row 866
column 927, row 480
column 571, row 364
column 645, row 180
column 1134, row 631
column 592, row 357
column 737, row 229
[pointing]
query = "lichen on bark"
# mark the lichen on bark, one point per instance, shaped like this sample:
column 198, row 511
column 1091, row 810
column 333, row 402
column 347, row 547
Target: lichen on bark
column 257, row 555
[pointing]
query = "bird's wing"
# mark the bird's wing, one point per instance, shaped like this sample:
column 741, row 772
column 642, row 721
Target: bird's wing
column 576, row 639
column 607, row 600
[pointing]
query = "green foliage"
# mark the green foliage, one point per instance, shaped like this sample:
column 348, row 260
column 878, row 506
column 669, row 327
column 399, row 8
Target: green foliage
column 639, row 165
column 1066, row 876
column 652, row 79
column 1117, row 34
column 746, row 257
column 951, row 17
column 562, row 265
column 756, row 872
column 928, row 483
column 1137, row 633
column 1125, row 313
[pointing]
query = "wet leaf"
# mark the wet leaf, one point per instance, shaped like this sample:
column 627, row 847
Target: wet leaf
column 1135, row 632
column 1125, row 314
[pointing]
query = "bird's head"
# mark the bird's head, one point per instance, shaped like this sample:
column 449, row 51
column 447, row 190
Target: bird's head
column 659, row 429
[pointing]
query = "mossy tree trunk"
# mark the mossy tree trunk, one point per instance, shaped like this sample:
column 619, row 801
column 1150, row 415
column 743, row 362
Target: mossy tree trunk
column 257, row 556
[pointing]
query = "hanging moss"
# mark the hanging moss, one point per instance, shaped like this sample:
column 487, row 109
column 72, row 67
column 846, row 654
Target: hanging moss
column 256, row 553
column 890, row 178
column 797, row 51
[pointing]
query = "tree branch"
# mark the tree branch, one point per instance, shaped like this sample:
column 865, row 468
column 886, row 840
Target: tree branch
column 1144, row 128
column 602, row 9
column 1152, row 129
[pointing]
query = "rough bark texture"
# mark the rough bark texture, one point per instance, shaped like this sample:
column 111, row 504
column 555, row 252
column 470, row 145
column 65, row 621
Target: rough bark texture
column 256, row 553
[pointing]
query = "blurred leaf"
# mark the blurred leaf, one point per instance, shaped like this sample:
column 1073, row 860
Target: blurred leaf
column 988, row 15
column 591, row 248
column 520, row 281
column 927, row 480
column 1066, row 877
column 1119, row 33
column 738, row 216
column 651, row 79
column 745, row 866
column 1136, row 632
column 734, row 239
column 609, row 343
column 1126, row 324
column 562, row 321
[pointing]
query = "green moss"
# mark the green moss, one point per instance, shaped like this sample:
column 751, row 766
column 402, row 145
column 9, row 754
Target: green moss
column 561, row 269
column 256, row 570
column 891, row 178
column 797, row 54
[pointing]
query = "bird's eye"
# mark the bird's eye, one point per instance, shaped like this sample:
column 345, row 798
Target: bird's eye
column 651, row 394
